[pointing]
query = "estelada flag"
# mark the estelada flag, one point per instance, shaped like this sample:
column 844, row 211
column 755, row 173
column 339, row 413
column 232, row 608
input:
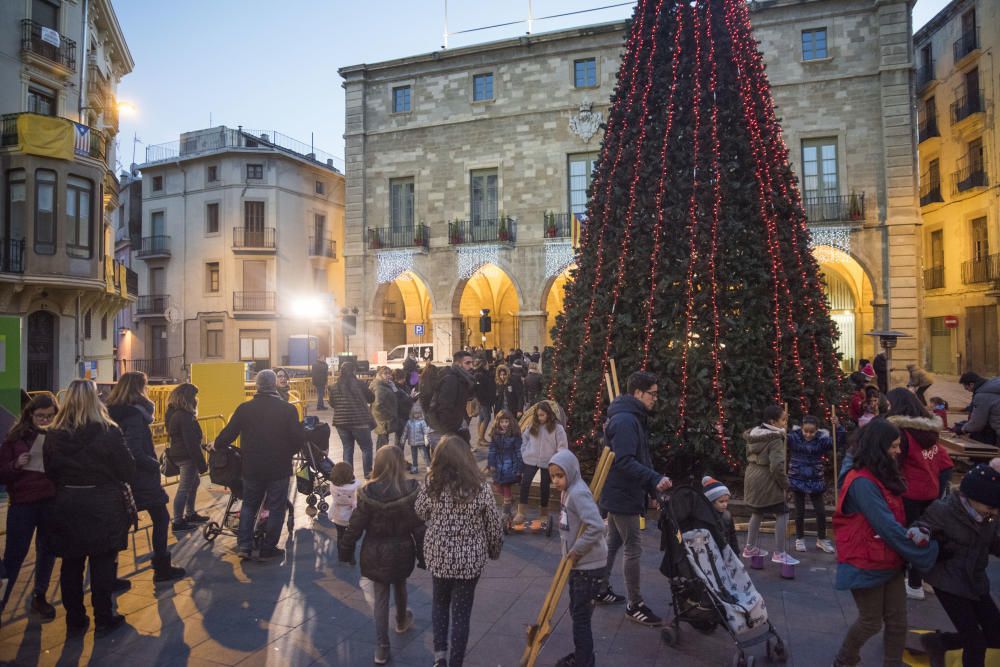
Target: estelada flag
column 81, row 143
column 577, row 220
column 47, row 136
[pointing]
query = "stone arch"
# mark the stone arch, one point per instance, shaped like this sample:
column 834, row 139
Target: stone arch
column 851, row 293
column 399, row 305
column 551, row 300
column 496, row 288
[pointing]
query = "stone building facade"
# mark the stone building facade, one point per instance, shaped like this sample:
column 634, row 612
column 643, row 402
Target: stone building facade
column 238, row 253
column 956, row 90
column 59, row 71
column 479, row 157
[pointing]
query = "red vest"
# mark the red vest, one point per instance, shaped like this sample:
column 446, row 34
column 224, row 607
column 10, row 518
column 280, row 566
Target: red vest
column 857, row 542
column 920, row 470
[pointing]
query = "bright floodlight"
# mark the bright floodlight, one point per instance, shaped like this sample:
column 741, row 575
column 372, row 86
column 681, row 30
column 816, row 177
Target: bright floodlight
column 126, row 108
column 307, row 306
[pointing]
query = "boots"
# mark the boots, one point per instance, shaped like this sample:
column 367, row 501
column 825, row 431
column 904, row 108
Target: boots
column 543, row 516
column 506, row 511
column 519, row 518
column 163, row 571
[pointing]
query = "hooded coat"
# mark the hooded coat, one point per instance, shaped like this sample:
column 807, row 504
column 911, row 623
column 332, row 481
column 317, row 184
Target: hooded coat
column 806, row 472
column 765, row 480
column 965, row 547
column 921, row 460
column 985, row 408
column 505, row 458
column 393, row 534
column 385, row 409
column 185, row 436
column 632, row 478
column 510, row 394
column 134, row 421
column 579, row 511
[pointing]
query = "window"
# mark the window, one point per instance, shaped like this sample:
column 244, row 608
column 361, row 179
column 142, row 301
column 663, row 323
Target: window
column 930, row 112
column 976, row 155
column 45, row 12
column 814, row 44
column 401, row 99
column 253, row 215
column 157, row 183
column 482, row 87
column 401, row 203
column 484, row 195
column 41, row 100
column 104, row 327
column 581, row 168
column 156, row 223
column 212, row 173
column 819, row 169
column 934, row 174
column 45, row 212
column 320, row 187
column 87, row 321
column 319, row 227
column 212, row 218
column 980, row 240
column 255, row 345
column 937, row 248
column 585, row 73
column 212, row 277
column 213, row 338
column 927, row 61
column 255, row 171
column 16, row 204
column 78, row 232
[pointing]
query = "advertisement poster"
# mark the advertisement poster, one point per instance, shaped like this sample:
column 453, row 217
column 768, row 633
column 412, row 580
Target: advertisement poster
column 10, row 371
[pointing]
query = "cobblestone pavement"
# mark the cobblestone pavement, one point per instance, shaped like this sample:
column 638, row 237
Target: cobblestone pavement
column 309, row 610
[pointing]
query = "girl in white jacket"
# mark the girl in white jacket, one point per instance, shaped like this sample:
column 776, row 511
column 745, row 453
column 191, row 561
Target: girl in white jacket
column 539, row 443
column 343, row 496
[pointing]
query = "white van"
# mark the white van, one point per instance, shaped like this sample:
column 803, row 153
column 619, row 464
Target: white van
column 398, row 354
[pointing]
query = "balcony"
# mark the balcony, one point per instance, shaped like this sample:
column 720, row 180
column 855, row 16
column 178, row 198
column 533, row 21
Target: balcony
column 48, row 45
column 969, row 177
column 965, row 45
column 930, row 191
column 966, row 105
column 387, row 238
column 557, row 226
column 12, row 256
column 934, row 277
column 253, row 302
column 259, row 240
column 835, row 208
column 98, row 88
column 153, row 247
column 156, row 369
column 925, row 77
column 981, row 270
column 131, row 282
column 319, row 247
column 152, row 305
column 93, row 147
column 928, row 129
column 483, row 230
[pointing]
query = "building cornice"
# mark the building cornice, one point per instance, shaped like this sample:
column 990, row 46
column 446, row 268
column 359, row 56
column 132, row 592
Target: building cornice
column 108, row 21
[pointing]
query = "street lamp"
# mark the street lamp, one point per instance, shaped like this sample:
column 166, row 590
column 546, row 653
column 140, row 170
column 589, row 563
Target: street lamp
column 888, row 339
column 309, row 307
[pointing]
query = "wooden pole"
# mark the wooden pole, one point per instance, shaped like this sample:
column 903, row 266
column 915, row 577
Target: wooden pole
column 836, row 468
column 611, row 389
column 614, row 378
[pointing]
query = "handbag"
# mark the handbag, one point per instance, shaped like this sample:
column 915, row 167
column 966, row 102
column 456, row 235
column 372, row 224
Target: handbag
column 167, row 466
column 130, row 507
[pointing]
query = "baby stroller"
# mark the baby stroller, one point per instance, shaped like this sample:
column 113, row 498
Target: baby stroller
column 708, row 584
column 312, row 476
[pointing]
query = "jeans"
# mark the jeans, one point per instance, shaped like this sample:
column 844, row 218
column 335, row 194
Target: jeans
column 885, row 603
column 187, row 489
column 320, row 390
column 920, row 393
column 623, row 529
column 452, row 600
column 102, row 580
column 914, row 510
column 416, row 449
column 528, row 474
column 363, row 436
column 800, row 514
column 584, row 585
column 24, row 521
column 254, row 492
column 377, row 595
column 160, row 517
column 977, row 622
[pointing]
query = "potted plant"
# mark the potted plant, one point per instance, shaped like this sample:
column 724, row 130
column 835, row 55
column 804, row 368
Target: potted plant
column 502, row 233
column 418, row 235
column 374, row 240
column 550, row 225
column 455, row 232
column 855, row 210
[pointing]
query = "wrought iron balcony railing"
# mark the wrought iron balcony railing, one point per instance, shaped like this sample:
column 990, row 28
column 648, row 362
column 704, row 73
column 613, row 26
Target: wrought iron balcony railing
column 320, row 247
column 9, row 136
column 382, row 238
column 928, row 129
column 968, row 177
column 131, row 282
column 153, row 246
column 48, row 43
column 159, row 369
column 253, row 302
column 557, row 225
column 966, row 44
column 934, row 277
column 980, row 270
column 966, row 105
column 483, row 230
column 12, row 256
column 152, row 304
column 835, row 208
column 925, row 76
column 253, row 238
column 930, row 191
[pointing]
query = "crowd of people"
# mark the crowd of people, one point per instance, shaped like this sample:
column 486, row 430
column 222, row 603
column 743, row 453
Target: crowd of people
column 78, row 473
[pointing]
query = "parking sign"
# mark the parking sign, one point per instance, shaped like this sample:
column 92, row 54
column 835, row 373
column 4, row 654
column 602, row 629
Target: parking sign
column 418, row 329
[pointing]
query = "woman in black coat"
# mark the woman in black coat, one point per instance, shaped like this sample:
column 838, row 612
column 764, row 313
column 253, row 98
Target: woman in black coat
column 86, row 457
column 185, row 452
column 393, row 542
column 132, row 410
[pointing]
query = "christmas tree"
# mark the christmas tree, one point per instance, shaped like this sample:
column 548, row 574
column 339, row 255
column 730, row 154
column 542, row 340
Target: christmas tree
column 695, row 263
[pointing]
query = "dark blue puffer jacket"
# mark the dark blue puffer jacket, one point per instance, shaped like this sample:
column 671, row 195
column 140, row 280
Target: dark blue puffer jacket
column 505, row 458
column 805, row 461
column 631, row 479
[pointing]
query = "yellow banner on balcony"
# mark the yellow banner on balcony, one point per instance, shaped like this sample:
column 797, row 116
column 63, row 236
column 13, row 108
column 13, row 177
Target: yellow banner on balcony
column 46, row 136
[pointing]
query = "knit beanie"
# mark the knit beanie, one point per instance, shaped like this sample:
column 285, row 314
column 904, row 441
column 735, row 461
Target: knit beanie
column 714, row 489
column 982, row 484
column 869, row 371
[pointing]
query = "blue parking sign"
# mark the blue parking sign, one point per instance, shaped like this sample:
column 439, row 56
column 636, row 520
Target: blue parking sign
column 418, row 329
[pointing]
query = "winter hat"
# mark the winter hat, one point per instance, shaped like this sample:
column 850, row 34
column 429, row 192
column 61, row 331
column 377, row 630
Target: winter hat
column 982, row 484
column 868, row 371
column 714, row 489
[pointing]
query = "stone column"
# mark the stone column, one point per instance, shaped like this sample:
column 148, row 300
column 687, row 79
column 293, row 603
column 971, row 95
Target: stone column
column 447, row 335
column 533, row 329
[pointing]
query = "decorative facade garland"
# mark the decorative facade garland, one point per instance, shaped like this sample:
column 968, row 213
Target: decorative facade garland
column 391, row 264
column 835, row 237
column 558, row 256
column 471, row 258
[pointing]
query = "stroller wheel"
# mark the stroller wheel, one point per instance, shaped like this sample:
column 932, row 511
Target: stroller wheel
column 670, row 635
column 776, row 650
column 705, row 628
column 311, row 500
column 323, row 506
column 211, row 531
column 743, row 660
column 311, row 511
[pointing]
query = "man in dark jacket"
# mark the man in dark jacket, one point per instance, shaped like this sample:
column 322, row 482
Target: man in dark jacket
column 320, row 376
column 630, row 482
column 485, row 392
column 448, row 404
column 984, row 410
column 270, row 435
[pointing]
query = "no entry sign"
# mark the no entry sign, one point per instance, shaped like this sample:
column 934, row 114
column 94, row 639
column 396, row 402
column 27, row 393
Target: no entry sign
column 951, row 321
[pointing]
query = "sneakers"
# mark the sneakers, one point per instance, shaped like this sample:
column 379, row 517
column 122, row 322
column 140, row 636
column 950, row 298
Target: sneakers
column 268, row 552
column 243, row 554
column 414, row 470
column 784, row 559
column 181, row 526
column 642, row 614
column 196, row 518
column 381, row 654
column 750, row 552
column 800, row 545
column 46, row 611
column 406, row 624
column 609, row 597
column 822, row 545
column 915, row 593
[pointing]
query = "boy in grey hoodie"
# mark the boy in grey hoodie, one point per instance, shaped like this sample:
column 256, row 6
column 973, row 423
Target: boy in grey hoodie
column 582, row 531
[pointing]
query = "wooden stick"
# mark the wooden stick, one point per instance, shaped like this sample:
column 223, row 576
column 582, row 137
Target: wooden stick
column 836, row 469
column 611, row 389
column 614, row 378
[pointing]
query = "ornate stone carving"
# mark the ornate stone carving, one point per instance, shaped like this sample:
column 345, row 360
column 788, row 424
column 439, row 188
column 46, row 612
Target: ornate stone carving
column 586, row 122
